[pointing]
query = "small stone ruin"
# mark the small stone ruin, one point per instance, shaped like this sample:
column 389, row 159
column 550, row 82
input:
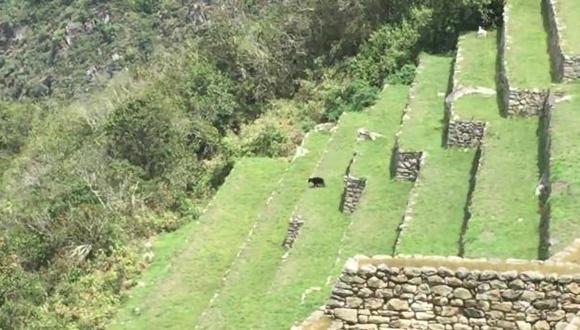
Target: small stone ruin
column 353, row 190
column 296, row 222
column 407, row 165
column 465, row 134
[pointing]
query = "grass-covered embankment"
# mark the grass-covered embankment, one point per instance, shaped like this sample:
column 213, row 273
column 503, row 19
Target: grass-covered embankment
column 477, row 63
column 374, row 224
column 503, row 212
column 565, row 169
column 527, row 55
column 253, row 270
column 439, row 196
column 311, row 260
column 175, row 299
column 569, row 15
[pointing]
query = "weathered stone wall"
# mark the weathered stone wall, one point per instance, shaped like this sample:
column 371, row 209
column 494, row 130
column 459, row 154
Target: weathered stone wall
column 296, row 222
column 526, row 102
column 516, row 101
column 465, row 134
column 353, row 190
column 454, row 293
column 565, row 66
column 407, row 165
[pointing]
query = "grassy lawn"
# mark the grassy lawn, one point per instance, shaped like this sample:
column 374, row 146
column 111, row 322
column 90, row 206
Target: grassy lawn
column 565, row 171
column 441, row 193
column 374, row 224
column 423, row 127
column 505, row 219
column 197, row 272
column 527, row 56
column 257, row 263
column 569, row 15
column 312, row 258
column 478, row 64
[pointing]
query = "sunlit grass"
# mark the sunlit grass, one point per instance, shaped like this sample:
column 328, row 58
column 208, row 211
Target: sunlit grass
column 180, row 290
column 527, row 55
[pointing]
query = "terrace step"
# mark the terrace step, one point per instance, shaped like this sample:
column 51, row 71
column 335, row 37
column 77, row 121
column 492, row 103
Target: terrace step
column 257, row 262
column 525, row 63
column 436, row 203
column 196, row 273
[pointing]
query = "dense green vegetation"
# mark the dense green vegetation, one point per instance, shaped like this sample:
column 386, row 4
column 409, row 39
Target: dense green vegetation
column 91, row 165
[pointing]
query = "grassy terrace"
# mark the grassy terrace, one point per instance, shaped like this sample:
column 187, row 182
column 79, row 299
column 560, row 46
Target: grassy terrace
column 312, row 258
column 527, row 56
column 565, row 171
column 569, row 15
column 504, row 220
column 258, row 262
column 374, row 227
column 424, row 124
column 477, row 66
column 197, row 272
column 437, row 216
column 444, row 179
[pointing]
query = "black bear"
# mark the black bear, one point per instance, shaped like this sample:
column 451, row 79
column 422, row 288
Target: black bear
column 316, row 182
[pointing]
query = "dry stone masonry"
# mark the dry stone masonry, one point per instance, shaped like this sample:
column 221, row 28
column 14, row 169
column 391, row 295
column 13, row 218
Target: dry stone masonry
column 454, row 294
column 516, row 101
column 465, row 134
column 407, row 165
column 353, row 190
column 566, row 66
column 296, row 222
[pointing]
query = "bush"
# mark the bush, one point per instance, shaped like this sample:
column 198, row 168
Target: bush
column 390, row 48
column 347, row 96
column 143, row 132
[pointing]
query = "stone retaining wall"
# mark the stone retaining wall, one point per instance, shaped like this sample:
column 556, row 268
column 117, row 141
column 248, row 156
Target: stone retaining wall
column 566, row 66
column 353, row 190
column 453, row 293
column 296, row 222
column 407, row 165
column 516, row 101
column 465, row 134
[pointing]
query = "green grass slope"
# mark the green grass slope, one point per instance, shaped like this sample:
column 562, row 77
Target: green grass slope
column 424, row 118
column 374, row 224
column 505, row 219
column 436, row 216
column 503, row 205
column 312, row 259
column 478, row 60
column 178, row 297
column 565, row 169
column 257, row 263
column 527, row 56
column 438, row 212
column 569, row 16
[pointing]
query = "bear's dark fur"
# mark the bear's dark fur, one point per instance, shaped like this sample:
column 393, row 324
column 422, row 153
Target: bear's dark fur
column 317, row 182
